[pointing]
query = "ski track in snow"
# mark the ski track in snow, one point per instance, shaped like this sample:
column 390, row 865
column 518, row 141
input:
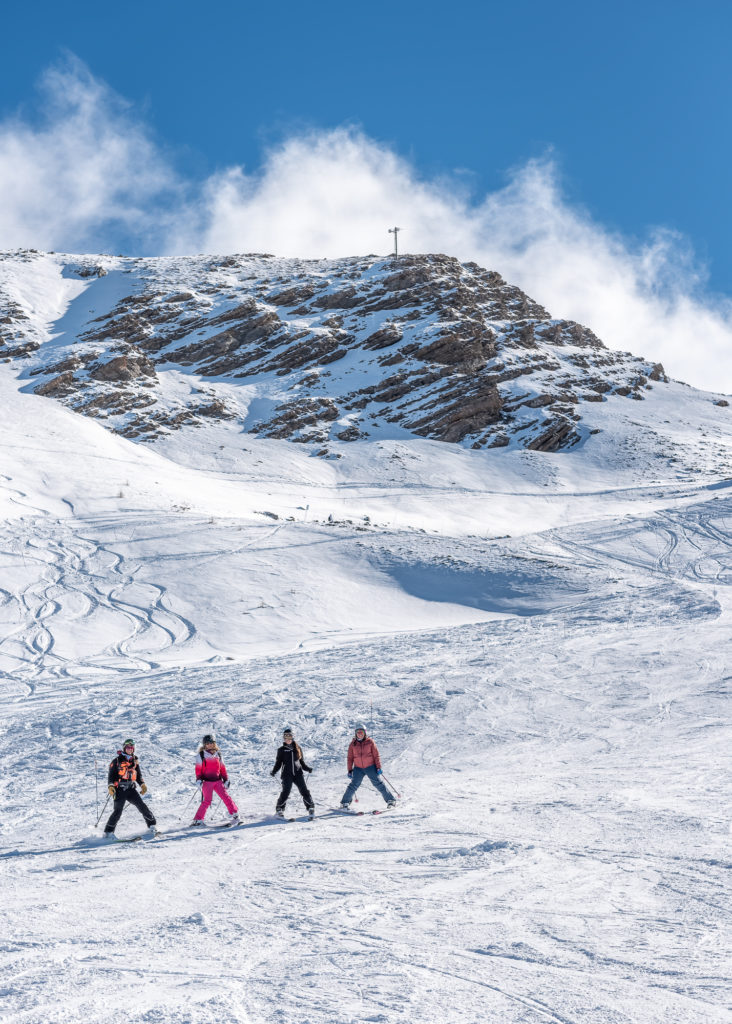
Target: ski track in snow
column 69, row 585
column 553, row 708
column 560, row 854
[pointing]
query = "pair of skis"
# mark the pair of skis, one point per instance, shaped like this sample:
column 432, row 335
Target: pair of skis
column 343, row 810
column 332, row 812
column 134, row 839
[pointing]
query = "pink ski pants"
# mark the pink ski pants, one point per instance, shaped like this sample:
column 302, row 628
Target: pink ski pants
column 207, row 791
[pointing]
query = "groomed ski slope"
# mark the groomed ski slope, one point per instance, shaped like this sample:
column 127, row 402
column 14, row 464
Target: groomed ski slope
column 553, row 707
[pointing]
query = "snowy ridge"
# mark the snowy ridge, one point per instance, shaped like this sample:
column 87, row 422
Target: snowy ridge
column 538, row 641
column 320, row 352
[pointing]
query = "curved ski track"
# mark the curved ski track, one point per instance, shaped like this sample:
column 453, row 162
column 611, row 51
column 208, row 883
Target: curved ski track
column 560, row 854
column 73, row 581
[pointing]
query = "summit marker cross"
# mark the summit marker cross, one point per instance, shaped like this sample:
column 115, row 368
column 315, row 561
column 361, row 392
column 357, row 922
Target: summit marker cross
column 395, row 233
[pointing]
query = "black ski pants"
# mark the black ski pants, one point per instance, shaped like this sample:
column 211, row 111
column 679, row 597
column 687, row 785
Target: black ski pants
column 123, row 796
column 299, row 779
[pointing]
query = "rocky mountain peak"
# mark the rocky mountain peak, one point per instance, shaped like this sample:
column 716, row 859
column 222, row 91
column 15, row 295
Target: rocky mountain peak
column 318, row 351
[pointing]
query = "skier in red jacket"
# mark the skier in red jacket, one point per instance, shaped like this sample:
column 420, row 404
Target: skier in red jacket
column 364, row 761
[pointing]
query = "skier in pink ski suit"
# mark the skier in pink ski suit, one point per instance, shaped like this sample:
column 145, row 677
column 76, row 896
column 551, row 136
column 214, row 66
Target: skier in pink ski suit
column 213, row 778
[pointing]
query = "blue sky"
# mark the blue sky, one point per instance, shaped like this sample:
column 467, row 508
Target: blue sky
column 634, row 98
column 624, row 106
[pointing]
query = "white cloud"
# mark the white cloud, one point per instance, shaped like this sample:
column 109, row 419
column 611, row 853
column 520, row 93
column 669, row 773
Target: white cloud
column 82, row 174
column 87, row 175
column 336, row 193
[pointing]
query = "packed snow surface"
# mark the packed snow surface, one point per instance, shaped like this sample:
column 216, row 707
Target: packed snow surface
column 538, row 643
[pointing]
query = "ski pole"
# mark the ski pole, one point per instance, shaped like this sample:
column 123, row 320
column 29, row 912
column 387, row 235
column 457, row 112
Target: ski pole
column 189, row 802
column 391, row 785
column 103, row 810
column 96, row 785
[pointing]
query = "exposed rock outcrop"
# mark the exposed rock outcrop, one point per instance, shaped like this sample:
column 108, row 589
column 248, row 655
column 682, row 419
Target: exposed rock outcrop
column 337, row 350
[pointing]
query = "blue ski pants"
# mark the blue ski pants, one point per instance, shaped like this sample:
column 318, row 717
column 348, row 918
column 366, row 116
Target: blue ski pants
column 358, row 776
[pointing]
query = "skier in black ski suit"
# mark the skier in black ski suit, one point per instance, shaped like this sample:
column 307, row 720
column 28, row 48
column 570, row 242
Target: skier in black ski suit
column 292, row 763
column 122, row 778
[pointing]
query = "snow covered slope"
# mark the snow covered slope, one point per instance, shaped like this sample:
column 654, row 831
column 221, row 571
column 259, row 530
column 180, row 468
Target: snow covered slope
column 539, row 642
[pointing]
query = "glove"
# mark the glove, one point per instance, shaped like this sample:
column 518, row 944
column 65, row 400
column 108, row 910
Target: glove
column 143, row 789
column 350, row 775
column 199, row 783
column 226, row 784
column 112, row 790
column 308, row 770
column 378, row 771
column 272, row 774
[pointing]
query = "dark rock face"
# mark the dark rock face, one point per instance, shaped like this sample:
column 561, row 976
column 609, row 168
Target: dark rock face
column 658, row 373
column 58, row 387
column 461, row 418
column 294, row 417
column 94, row 271
column 293, row 296
column 387, row 336
column 13, row 339
column 346, row 299
column 338, row 349
column 556, row 433
column 123, row 368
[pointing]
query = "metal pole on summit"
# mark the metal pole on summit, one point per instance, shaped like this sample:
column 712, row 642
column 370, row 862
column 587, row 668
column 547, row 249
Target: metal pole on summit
column 395, row 233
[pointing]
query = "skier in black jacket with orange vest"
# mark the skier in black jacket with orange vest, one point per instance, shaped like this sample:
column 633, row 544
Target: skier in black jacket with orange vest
column 292, row 763
column 122, row 778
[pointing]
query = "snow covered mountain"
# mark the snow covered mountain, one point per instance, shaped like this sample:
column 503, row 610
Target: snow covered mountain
column 319, row 352
column 504, row 547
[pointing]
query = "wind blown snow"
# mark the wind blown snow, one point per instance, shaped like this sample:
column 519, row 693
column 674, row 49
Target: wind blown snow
column 88, row 175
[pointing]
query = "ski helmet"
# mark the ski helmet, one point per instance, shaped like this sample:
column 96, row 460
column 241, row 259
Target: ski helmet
column 208, row 738
column 360, row 728
column 287, row 732
column 128, row 743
